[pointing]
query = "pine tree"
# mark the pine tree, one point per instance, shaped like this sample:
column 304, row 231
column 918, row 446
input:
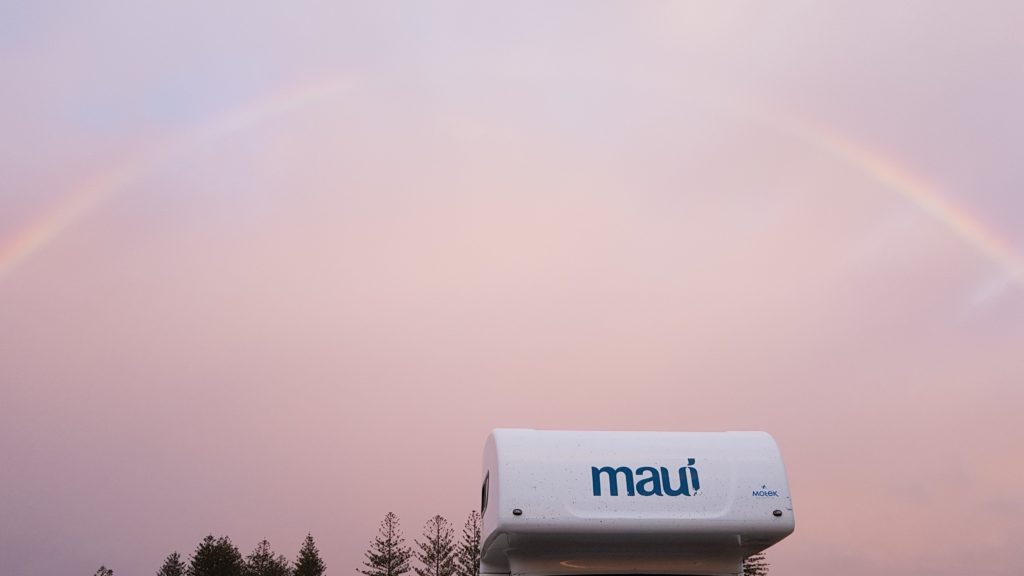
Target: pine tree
column 173, row 566
column 468, row 553
column 309, row 563
column 388, row 555
column 437, row 553
column 216, row 557
column 756, row 565
column 263, row 562
column 104, row 571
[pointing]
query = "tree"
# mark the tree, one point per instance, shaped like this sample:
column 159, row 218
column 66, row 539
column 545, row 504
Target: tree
column 216, row 557
column 173, row 566
column 755, row 565
column 263, row 562
column 104, row 571
column 309, row 563
column 388, row 555
column 437, row 553
column 468, row 553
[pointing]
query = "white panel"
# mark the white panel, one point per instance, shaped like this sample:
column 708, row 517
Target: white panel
column 686, row 503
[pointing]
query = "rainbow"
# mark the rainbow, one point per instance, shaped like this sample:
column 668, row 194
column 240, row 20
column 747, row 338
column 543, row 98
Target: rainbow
column 75, row 204
column 69, row 209
column 901, row 180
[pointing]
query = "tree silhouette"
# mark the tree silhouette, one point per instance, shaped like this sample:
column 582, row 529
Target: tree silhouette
column 467, row 555
column 755, row 565
column 437, row 552
column 309, row 563
column 263, row 562
column 216, row 557
column 388, row 555
column 104, row 571
column 173, row 566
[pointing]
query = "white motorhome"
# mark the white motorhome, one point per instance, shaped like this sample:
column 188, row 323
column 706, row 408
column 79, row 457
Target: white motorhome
column 681, row 503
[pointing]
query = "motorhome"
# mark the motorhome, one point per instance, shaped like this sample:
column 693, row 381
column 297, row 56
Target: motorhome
column 593, row 503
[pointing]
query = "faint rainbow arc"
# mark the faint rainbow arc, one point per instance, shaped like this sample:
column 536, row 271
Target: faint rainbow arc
column 67, row 210
column 80, row 201
column 966, row 226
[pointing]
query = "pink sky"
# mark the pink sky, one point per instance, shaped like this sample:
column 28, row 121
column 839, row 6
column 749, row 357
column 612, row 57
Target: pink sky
column 269, row 270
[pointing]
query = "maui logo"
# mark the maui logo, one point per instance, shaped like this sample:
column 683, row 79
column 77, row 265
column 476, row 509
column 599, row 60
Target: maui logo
column 646, row 480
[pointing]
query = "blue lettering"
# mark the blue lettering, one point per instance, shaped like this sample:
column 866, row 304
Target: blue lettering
column 653, row 481
column 684, row 487
column 691, row 472
column 647, row 480
column 613, row 479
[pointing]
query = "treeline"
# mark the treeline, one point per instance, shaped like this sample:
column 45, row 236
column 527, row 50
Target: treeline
column 438, row 554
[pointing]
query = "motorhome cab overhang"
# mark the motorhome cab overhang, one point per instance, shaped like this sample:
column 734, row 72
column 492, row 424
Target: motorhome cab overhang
column 686, row 503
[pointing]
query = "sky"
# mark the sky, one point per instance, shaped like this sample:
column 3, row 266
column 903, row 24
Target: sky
column 277, row 268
